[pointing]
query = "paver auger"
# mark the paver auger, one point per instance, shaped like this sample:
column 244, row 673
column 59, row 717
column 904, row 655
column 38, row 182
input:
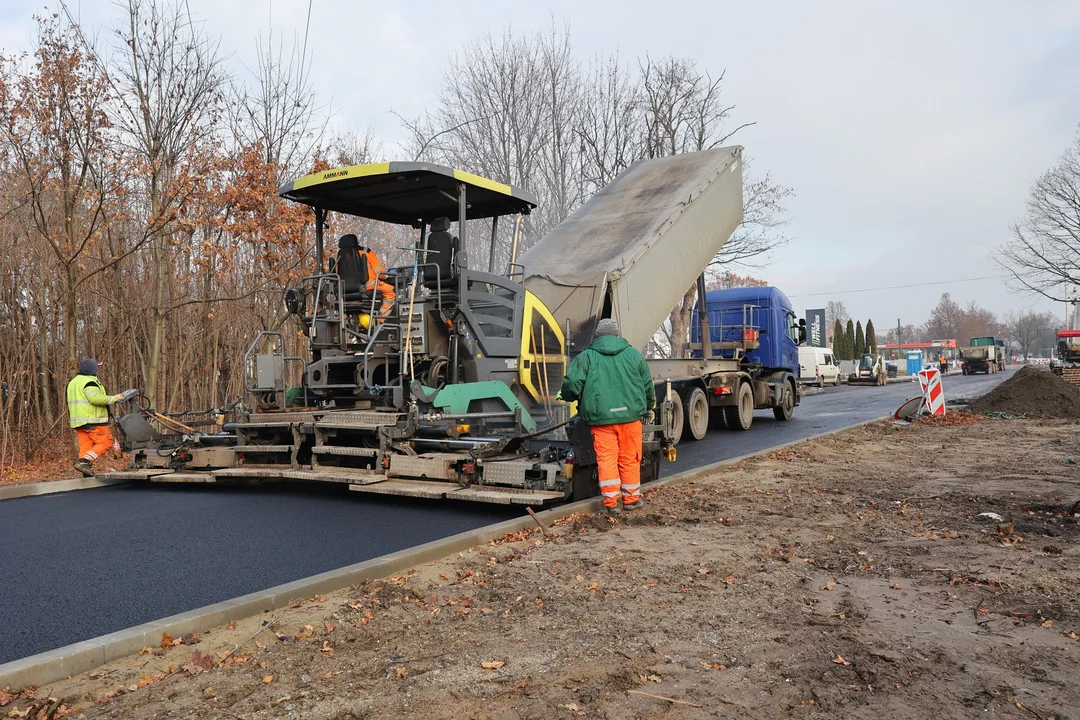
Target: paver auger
column 448, row 394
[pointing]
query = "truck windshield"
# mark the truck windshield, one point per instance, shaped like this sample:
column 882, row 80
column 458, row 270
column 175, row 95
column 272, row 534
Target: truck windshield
column 982, row 341
column 866, row 363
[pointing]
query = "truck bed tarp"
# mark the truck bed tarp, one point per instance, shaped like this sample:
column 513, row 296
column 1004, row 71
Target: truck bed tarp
column 638, row 245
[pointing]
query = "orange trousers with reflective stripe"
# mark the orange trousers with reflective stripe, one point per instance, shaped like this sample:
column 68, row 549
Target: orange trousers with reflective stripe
column 94, row 441
column 618, row 459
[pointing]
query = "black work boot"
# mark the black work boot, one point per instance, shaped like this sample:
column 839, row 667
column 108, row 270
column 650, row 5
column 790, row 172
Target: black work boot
column 84, row 467
column 634, row 505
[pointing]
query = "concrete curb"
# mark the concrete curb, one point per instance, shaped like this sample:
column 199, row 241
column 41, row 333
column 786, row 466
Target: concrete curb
column 11, row 492
column 57, row 664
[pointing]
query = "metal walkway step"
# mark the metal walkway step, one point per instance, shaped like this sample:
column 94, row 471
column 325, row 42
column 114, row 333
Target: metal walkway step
column 132, row 474
column 184, row 478
column 452, row 491
column 264, row 448
column 253, row 471
column 344, row 476
column 349, row 451
column 346, row 425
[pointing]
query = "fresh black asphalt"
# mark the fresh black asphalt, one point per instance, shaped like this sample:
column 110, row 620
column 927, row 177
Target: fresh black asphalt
column 834, row 409
column 82, row 564
column 77, row 565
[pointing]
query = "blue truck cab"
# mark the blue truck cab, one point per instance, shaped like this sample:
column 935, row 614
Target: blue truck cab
column 767, row 311
column 752, row 363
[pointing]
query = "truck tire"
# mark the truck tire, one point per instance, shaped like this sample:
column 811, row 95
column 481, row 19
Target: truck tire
column 741, row 415
column 786, row 408
column 696, row 409
column 718, row 419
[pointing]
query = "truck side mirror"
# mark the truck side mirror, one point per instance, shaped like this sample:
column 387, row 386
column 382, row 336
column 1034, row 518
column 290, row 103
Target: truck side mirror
column 802, row 331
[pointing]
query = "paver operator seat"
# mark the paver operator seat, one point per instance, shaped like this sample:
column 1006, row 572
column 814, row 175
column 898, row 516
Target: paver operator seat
column 351, row 268
column 442, row 248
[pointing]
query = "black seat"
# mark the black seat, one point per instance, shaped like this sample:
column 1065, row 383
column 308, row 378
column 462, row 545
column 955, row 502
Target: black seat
column 442, row 247
column 351, row 268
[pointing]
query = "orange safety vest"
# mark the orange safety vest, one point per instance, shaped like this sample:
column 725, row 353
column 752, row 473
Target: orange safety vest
column 375, row 267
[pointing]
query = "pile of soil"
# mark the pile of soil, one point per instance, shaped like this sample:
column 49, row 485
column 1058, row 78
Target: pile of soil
column 1033, row 392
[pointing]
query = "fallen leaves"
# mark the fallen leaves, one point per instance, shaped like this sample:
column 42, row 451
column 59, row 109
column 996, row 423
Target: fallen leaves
column 711, row 666
column 147, row 651
column 492, row 664
column 829, row 585
column 839, row 660
column 166, row 641
column 6, row 698
column 198, row 663
column 148, row 680
column 268, row 679
column 401, row 673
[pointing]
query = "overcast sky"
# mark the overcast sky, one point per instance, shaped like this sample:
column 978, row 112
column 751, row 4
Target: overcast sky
column 910, row 131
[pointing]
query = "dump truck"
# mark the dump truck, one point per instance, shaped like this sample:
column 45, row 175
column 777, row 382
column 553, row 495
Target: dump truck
column 631, row 252
column 983, row 354
column 451, row 394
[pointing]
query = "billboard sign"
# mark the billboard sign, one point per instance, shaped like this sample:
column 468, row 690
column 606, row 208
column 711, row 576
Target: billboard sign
column 815, row 328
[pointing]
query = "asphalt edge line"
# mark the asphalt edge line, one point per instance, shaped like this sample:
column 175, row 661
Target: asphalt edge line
column 50, row 487
column 54, row 665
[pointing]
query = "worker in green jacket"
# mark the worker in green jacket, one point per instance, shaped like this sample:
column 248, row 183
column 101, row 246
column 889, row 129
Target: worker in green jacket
column 612, row 384
column 88, row 411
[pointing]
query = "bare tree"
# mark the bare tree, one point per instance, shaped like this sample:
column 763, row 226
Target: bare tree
column 167, row 80
column 610, row 128
column 278, row 109
column 55, row 125
column 835, row 310
column 1043, row 255
column 1031, row 331
column 683, row 112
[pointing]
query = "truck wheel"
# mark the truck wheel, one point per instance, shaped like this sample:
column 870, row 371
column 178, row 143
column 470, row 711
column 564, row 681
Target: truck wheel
column 784, row 410
column 718, row 419
column 740, row 415
column 696, row 406
column 677, row 418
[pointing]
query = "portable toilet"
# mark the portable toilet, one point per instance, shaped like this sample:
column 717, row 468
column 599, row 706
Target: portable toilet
column 914, row 362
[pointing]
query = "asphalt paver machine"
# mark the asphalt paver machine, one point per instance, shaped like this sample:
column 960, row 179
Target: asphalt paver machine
column 448, row 394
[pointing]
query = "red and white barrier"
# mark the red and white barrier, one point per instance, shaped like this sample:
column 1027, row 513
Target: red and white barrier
column 933, row 395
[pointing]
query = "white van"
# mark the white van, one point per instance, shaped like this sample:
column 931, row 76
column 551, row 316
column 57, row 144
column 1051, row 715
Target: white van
column 817, row 366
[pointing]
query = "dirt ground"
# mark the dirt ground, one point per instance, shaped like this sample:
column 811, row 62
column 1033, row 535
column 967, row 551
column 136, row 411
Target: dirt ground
column 851, row 576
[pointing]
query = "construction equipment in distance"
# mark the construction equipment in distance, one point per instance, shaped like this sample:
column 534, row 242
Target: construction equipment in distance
column 869, row 370
column 452, row 394
column 983, row 354
column 1066, row 362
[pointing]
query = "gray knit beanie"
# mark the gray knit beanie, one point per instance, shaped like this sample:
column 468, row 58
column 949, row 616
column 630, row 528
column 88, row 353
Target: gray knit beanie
column 88, row 366
column 606, row 327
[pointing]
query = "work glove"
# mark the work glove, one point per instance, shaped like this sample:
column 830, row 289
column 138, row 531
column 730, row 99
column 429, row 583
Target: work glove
column 649, row 418
column 126, row 395
column 558, row 395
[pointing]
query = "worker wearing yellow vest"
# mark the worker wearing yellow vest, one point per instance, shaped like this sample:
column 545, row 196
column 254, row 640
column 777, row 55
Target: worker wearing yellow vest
column 88, row 408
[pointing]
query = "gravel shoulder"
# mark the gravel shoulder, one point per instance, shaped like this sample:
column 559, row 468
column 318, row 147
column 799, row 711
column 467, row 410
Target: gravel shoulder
column 849, row 576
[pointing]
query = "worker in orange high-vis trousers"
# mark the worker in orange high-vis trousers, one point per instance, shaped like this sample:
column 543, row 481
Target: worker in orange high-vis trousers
column 612, row 384
column 88, row 408
column 377, row 279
